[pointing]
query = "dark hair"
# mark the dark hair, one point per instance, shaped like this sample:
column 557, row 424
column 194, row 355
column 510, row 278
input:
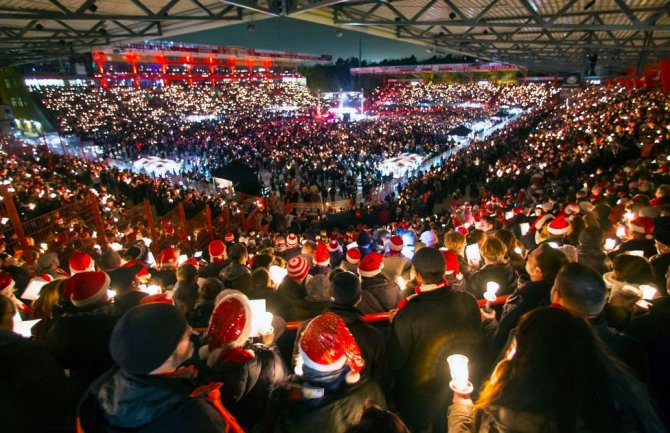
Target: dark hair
column 561, row 371
column 633, row 269
column 430, row 264
column 262, row 261
column 550, row 260
column 187, row 273
column 377, row 420
column 581, row 288
column 237, row 251
column 260, row 279
column 211, row 289
column 591, row 237
column 577, row 224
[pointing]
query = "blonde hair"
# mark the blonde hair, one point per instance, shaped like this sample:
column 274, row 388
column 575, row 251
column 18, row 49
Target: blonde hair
column 454, row 242
column 494, row 251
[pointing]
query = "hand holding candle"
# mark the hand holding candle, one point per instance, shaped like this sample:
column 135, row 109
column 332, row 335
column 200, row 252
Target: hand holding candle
column 458, row 368
column 490, row 295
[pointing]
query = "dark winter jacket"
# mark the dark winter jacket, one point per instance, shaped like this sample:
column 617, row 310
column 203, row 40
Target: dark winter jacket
column 526, row 297
column 79, row 339
column 302, row 309
column 35, row 394
column 290, row 290
column 199, row 317
column 119, row 402
column 128, row 300
column 236, row 276
column 299, row 406
column 379, row 295
column 185, row 295
column 247, row 386
column 432, row 326
column 212, row 269
column 166, row 278
column 503, row 274
column 594, row 258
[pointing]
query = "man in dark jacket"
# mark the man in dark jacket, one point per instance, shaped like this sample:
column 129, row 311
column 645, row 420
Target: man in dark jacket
column 328, row 392
column 35, row 394
column 582, row 291
column 379, row 293
column 78, row 339
column 237, row 275
column 124, row 281
column 435, row 323
column 146, row 392
column 542, row 265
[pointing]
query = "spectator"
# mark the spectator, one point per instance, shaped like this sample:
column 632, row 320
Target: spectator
column 590, row 250
column 435, row 323
column 249, row 372
column 148, row 344
column 496, row 268
column 542, row 265
column 36, row 395
column 330, row 362
column 376, row 420
column 661, row 261
column 186, row 290
column 572, row 369
column 379, row 293
column 202, row 311
column 236, row 275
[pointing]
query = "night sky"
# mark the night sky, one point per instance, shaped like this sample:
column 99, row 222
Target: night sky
column 289, row 34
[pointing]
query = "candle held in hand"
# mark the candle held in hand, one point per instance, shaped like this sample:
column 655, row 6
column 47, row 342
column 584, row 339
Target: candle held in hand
column 458, row 368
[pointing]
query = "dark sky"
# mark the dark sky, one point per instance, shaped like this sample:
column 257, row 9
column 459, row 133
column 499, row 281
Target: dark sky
column 289, row 34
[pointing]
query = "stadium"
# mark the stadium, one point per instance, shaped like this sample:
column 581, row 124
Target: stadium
column 338, row 216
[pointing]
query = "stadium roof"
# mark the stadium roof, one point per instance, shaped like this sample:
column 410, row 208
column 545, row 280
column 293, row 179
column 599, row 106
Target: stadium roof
column 543, row 35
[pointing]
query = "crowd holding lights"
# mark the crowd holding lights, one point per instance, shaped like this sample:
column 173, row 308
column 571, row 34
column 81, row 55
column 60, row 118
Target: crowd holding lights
column 565, row 210
column 418, row 95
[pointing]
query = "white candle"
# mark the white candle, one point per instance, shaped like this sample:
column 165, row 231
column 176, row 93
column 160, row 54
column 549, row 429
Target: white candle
column 610, row 244
column 458, row 368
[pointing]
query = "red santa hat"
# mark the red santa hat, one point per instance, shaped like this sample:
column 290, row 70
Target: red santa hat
column 452, row 267
column 217, row 251
column 81, row 262
column 462, row 230
column 321, row 255
column 643, row 225
column 192, row 261
column 297, row 268
column 291, row 240
column 334, row 246
column 353, row 256
column 229, row 238
column 6, row 284
column 167, row 258
column 371, row 265
column 229, row 326
column 327, row 345
column 558, row 226
column 86, row 288
column 396, row 244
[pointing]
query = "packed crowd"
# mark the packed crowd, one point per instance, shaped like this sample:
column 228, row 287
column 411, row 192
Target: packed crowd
column 128, row 123
column 565, row 213
column 425, row 96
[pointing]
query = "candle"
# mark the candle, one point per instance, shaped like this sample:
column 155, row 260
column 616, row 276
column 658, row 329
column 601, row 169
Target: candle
column 152, row 289
column 648, row 292
column 115, row 246
column 401, row 282
column 458, row 368
column 621, row 232
column 609, row 244
column 265, row 323
column 524, row 227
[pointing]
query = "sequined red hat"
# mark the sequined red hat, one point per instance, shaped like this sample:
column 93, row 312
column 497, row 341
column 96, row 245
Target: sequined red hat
column 327, row 345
